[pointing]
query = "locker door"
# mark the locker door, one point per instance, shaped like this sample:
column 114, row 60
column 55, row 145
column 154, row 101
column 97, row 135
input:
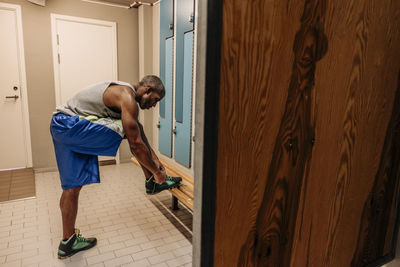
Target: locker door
column 166, row 75
column 183, row 86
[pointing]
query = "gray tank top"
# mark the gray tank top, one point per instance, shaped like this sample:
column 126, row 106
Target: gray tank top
column 89, row 101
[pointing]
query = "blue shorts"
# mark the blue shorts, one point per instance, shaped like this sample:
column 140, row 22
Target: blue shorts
column 77, row 143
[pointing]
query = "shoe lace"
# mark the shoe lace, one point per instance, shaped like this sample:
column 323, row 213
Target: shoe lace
column 172, row 179
column 79, row 236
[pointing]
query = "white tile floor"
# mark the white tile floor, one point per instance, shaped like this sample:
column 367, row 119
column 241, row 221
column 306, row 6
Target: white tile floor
column 132, row 229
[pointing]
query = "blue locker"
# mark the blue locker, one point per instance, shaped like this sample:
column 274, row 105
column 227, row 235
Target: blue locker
column 166, row 75
column 182, row 147
column 184, row 23
column 165, row 119
column 183, row 81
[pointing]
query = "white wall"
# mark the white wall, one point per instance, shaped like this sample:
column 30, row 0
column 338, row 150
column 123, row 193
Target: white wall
column 39, row 63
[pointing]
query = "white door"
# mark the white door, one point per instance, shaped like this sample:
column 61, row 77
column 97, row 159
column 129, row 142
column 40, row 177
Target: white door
column 84, row 52
column 15, row 139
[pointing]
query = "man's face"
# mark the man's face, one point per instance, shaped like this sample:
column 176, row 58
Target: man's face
column 149, row 100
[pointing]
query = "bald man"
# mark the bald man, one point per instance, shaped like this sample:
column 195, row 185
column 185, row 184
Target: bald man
column 92, row 123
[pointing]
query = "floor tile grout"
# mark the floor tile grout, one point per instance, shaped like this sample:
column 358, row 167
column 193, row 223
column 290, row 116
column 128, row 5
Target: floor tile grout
column 117, row 211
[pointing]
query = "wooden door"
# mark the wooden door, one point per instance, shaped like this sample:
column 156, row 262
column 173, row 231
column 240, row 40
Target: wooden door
column 309, row 133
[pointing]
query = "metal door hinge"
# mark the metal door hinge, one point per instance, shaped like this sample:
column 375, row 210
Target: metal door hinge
column 193, row 139
column 58, row 39
column 171, row 26
column 58, row 58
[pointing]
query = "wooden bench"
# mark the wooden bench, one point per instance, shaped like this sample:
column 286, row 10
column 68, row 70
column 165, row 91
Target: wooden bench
column 184, row 193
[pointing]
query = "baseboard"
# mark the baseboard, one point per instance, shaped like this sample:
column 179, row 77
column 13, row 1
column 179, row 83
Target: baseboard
column 45, row 169
column 107, row 162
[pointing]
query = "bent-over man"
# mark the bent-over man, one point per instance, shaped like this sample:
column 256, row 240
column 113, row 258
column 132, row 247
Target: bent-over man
column 92, row 123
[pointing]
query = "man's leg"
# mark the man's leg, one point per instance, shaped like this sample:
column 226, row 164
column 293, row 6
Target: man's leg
column 74, row 145
column 72, row 241
column 69, row 210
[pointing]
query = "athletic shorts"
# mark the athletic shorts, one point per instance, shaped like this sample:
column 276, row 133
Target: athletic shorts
column 77, row 143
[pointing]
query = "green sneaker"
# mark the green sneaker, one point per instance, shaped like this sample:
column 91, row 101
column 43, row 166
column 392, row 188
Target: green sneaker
column 153, row 188
column 75, row 244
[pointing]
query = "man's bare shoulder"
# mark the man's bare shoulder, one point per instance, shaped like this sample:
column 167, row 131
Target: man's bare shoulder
column 122, row 98
column 120, row 91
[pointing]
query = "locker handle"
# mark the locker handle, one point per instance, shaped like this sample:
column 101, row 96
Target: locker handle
column 174, row 130
column 191, row 18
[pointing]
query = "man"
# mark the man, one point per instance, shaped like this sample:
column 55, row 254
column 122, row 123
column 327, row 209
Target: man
column 92, row 123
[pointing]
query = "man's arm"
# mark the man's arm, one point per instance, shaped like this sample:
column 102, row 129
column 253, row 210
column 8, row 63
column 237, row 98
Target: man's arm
column 153, row 154
column 143, row 153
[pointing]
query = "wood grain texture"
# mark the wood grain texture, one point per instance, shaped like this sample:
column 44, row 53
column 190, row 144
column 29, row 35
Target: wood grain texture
column 249, row 97
column 377, row 219
column 354, row 98
column 349, row 132
column 306, row 133
column 269, row 242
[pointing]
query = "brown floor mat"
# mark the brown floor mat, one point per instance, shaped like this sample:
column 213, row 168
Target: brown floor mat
column 17, row 184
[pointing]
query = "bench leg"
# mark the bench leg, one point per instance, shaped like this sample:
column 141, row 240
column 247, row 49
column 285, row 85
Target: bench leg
column 174, row 203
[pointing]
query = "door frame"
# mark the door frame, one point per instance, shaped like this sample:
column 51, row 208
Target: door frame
column 54, row 18
column 208, row 49
column 22, row 80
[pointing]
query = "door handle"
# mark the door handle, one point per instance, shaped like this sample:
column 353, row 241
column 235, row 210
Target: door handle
column 12, row 96
column 158, row 125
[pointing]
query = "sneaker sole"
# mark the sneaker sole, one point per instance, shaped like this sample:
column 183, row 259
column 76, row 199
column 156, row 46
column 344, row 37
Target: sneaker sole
column 150, row 193
column 73, row 253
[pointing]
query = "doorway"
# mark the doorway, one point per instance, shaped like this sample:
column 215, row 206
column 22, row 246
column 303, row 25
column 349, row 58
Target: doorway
column 15, row 143
column 84, row 53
